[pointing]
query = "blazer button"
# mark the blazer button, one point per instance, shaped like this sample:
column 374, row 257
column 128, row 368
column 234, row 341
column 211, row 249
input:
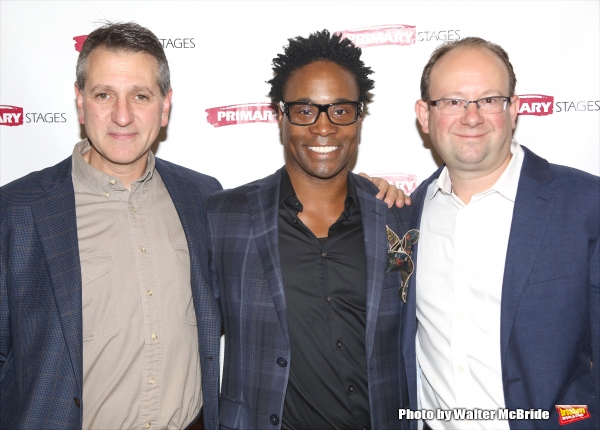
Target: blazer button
column 274, row 419
column 281, row 362
column 77, row 402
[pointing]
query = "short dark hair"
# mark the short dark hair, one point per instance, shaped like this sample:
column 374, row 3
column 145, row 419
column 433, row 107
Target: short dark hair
column 124, row 37
column 320, row 46
column 466, row 43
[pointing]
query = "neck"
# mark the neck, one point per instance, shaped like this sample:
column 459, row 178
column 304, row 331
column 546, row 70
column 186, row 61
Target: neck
column 315, row 191
column 322, row 199
column 466, row 184
column 127, row 173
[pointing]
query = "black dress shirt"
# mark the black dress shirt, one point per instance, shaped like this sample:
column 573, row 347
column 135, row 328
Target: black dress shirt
column 324, row 281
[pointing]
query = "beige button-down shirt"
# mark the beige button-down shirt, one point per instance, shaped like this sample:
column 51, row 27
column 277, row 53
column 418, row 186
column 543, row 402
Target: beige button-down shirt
column 141, row 366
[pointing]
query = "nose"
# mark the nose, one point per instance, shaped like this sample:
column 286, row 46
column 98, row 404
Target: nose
column 323, row 126
column 122, row 113
column 472, row 116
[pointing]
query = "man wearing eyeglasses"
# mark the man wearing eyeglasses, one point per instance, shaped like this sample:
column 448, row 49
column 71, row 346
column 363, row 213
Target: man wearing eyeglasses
column 298, row 262
column 507, row 291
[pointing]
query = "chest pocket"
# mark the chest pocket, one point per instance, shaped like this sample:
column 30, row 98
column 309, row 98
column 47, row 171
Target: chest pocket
column 99, row 297
column 184, row 285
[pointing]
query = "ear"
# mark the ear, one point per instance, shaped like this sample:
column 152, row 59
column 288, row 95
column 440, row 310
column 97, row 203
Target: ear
column 166, row 108
column 422, row 111
column 79, row 100
column 280, row 114
column 513, row 108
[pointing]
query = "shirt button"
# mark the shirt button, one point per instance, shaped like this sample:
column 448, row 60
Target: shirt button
column 77, row 401
column 323, row 254
column 143, row 249
column 328, row 298
column 274, row 419
column 112, row 182
column 132, row 209
column 147, row 425
column 459, row 316
column 461, row 368
column 106, row 194
column 152, row 381
column 338, row 344
column 351, row 388
column 150, row 293
column 154, row 336
column 281, row 362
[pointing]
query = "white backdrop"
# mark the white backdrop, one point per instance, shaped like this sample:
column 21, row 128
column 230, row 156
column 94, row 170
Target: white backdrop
column 220, row 55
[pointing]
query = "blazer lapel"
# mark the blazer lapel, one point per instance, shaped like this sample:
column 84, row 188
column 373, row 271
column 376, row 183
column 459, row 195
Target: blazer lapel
column 533, row 206
column 263, row 208
column 189, row 209
column 374, row 218
column 56, row 224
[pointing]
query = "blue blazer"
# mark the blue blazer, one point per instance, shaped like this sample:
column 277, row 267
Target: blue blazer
column 40, row 296
column 550, row 308
column 246, row 273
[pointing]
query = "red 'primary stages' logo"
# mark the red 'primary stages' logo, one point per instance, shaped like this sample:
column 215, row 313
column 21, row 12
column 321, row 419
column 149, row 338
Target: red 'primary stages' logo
column 393, row 34
column 404, row 181
column 241, row 114
column 536, row 104
column 79, row 42
column 11, row 115
column 568, row 414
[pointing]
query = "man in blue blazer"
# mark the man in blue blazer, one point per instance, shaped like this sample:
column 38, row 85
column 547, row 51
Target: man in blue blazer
column 110, row 215
column 505, row 304
column 298, row 264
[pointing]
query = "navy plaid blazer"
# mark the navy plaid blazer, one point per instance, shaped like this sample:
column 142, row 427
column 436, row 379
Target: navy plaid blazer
column 40, row 296
column 550, row 308
column 246, row 273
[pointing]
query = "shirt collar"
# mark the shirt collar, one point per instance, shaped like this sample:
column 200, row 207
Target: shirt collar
column 99, row 182
column 286, row 191
column 507, row 183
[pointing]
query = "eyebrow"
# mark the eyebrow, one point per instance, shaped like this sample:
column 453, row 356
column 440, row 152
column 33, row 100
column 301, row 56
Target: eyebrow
column 309, row 100
column 487, row 93
column 135, row 88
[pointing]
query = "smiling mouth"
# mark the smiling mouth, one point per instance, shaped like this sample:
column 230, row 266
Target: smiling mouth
column 323, row 149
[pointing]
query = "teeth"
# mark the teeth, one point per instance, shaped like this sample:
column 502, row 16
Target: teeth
column 323, row 149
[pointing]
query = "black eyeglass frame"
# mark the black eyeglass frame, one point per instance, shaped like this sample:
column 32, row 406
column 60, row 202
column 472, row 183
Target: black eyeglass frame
column 507, row 102
column 285, row 108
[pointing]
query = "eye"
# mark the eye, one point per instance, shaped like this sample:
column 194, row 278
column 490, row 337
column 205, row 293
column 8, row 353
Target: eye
column 303, row 110
column 454, row 102
column 339, row 111
column 102, row 96
column 142, row 97
column 489, row 100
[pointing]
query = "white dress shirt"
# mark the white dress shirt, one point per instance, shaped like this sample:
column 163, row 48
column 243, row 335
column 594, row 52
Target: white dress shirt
column 462, row 252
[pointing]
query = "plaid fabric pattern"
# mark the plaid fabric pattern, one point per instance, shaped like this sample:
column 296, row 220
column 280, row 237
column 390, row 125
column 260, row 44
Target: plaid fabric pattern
column 40, row 296
column 247, row 282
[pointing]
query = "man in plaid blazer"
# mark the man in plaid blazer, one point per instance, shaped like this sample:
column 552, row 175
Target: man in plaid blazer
column 123, row 101
column 298, row 264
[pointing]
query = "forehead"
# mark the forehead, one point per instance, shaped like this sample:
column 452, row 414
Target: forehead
column 113, row 67
column 477, row 70
column 321, row 82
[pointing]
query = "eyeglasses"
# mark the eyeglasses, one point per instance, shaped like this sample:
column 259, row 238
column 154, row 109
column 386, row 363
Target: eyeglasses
column 494, row 104
column 301, row 113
